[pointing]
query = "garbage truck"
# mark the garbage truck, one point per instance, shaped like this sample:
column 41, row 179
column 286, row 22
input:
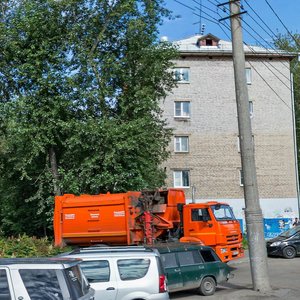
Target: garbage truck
column 145, row 218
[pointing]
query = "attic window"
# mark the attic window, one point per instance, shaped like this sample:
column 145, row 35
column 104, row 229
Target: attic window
column 209, row 42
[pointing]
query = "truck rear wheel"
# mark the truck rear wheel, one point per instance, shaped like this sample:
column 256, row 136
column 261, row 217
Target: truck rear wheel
column 207, row 287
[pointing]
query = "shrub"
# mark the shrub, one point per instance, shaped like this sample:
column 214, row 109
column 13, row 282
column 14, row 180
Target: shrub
column 25, row 246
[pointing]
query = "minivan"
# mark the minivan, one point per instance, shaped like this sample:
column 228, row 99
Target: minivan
column 123, row 273
column 43, row 278
column 191, row 266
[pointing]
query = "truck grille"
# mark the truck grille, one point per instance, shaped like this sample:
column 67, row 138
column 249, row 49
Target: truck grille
column 231, row 239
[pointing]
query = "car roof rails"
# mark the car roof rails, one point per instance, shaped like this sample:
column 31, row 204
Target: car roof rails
column 110, row 249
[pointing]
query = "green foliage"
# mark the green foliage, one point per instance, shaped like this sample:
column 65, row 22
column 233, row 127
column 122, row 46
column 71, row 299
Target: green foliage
column 24, row 246
column 292, row 44
column 80, row 87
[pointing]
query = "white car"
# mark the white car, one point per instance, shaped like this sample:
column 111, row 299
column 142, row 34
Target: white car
column 43, row 278
column 123, row 273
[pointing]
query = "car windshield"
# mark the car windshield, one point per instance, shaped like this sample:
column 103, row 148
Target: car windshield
column 289, row 232
column 223, row 212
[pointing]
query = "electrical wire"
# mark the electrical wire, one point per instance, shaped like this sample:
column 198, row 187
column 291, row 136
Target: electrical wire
column 296, row 42
column 274, row 34
column 212, row 21
column 252, row 50
column 204, row 6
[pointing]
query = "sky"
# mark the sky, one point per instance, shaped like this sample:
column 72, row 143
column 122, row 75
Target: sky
column 260, row 21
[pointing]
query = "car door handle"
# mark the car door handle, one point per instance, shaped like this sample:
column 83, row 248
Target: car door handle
column 111, row 288
column 176, row 270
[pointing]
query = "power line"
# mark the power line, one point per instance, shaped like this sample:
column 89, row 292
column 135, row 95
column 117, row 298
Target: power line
column 246, row 1
column 204, row 6
column 212, row 21
column 268, row 85
column 292, row 36
column 253, row 51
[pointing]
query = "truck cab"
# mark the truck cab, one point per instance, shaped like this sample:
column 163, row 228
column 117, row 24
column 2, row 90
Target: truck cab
column 214, row 224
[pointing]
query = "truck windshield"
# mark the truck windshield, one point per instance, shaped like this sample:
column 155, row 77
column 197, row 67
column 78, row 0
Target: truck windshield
column 223, row 212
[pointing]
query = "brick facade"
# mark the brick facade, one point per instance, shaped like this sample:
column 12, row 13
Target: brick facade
column 213, row 159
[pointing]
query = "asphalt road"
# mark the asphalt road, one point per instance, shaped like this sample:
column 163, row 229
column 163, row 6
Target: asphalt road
column 284, row 277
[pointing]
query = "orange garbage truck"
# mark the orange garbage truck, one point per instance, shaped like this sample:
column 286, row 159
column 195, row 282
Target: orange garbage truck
column 147, row 217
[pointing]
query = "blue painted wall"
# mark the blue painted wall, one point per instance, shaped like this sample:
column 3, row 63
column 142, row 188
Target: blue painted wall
column 273, row 227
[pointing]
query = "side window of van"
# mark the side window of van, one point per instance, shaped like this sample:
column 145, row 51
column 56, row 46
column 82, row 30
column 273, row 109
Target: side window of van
column 169, row 260
column 130, row 269
column 187, row 258
column 209, row 256
column 4, row 289
column 96, row 271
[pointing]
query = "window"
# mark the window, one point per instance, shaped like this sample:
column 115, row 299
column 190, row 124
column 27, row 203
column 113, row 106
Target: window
column 209, row 256
column 189, row 258
column 198, row 214
column 222, row 212
column 130, row 269
column 251, row 109
column 209, row 42
column 186, row 258
column 96, row 271
column 182, row 109
column 248, row 75
column 41, row 284
column 4, row 288
column 181, row 143
column 181, row 178
column 181, row 75
column 169, row 260
column 241, row 177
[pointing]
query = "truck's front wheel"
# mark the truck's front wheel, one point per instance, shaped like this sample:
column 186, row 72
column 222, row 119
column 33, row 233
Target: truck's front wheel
column 207, row 287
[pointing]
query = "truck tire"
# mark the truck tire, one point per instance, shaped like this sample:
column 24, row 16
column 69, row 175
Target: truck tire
column 289, row 252
column 208, row 286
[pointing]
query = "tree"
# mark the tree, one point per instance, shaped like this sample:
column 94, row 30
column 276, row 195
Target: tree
column 83, row 83
column 291, row 43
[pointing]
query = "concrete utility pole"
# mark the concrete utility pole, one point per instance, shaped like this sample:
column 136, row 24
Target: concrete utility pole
column 254, row 218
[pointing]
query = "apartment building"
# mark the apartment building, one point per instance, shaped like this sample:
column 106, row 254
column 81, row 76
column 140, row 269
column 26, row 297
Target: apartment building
column 205, row 153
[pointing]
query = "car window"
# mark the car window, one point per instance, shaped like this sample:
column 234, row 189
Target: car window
column 130, row 269
column 96, row 271
column 209, row 255
column 169, row 260
column 4, row 288
column 187, row 258
column 78, row 282
column 41, row 284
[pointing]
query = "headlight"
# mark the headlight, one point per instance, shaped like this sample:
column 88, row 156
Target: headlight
column 223, row 250
column 275, row 244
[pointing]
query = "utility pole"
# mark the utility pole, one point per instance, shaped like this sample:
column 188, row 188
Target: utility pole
column 253, row 213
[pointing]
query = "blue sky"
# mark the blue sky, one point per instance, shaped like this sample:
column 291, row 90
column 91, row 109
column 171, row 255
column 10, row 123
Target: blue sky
column 287, row 10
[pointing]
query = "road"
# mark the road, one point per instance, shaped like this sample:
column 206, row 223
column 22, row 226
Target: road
column 284, row 278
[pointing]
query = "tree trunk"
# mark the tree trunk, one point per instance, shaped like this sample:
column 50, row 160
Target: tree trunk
column 54, row 171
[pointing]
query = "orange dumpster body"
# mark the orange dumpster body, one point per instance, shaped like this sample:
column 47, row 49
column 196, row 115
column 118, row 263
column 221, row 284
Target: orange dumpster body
column 129, row 219
column 114, row 219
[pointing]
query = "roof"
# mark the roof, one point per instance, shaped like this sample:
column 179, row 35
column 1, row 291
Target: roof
column 110, row 251
column 39, row 261
column 190, row 46
column 178, row 247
